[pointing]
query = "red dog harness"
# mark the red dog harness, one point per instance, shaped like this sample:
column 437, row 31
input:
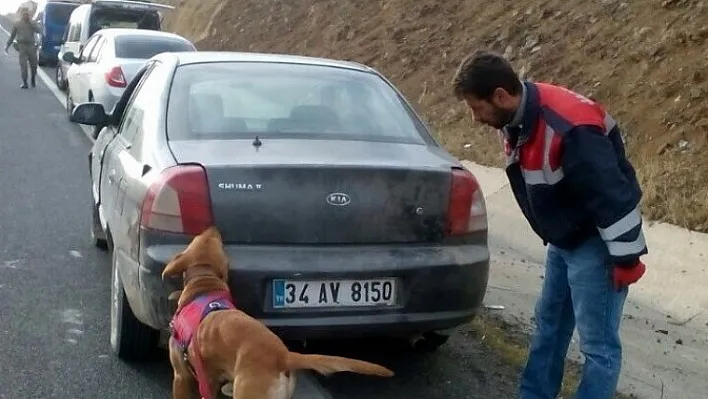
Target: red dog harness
column 184, row 326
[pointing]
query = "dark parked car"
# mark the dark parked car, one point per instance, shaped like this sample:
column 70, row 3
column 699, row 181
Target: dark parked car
column 341, row 214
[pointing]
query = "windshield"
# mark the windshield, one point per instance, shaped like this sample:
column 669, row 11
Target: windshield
column 58, row 13
column 231, row 100
column 142, row 47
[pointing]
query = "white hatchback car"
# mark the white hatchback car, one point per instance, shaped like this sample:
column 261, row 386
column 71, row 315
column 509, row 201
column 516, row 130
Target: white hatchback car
column 109, row 61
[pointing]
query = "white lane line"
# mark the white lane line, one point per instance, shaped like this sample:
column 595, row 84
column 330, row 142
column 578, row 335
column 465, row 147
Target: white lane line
column 61, row 97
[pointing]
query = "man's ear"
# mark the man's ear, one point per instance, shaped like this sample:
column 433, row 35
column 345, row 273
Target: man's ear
column 176, row 267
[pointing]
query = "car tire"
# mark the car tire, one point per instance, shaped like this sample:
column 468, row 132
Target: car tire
column 40, row 60
column 96, row 129
column 130, row 339
column 69, row 104
column 98, row 236
column 59, row 78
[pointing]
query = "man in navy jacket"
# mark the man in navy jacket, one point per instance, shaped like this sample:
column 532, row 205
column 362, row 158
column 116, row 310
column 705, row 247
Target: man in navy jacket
column 568, row 171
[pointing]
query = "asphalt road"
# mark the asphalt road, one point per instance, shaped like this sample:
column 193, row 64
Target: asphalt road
column 54, row 286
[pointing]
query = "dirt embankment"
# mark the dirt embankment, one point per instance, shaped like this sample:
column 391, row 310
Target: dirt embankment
column 644, row 60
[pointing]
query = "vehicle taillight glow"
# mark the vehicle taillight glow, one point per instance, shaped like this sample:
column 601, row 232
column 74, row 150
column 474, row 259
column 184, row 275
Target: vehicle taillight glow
column 115, row 77
column 178, row 202
column 467, row 210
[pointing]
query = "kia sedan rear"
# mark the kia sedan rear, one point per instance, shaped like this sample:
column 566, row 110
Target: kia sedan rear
column 341, row 215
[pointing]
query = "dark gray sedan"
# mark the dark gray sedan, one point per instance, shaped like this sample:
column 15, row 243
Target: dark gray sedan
column 341, row 214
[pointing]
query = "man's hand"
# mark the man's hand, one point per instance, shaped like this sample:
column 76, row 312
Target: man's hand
column 625, row 275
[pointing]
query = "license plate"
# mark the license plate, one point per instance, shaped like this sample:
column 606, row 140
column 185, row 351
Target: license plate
column 333, row 293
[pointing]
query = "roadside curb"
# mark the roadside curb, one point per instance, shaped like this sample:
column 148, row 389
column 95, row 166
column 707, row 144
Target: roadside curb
column 491, row 179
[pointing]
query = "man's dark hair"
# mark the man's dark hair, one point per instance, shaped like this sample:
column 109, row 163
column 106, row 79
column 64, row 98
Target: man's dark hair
column 483, row 72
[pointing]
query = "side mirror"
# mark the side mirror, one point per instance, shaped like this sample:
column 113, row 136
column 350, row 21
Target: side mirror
column 70, row 57
column 92, row 114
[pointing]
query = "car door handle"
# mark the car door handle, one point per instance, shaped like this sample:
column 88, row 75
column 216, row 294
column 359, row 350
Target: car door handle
column 112, row 176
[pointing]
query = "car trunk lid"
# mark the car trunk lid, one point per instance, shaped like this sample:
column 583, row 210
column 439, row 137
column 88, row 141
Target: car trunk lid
column 323, row 192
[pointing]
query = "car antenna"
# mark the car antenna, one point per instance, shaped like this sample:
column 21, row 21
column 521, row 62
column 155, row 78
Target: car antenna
column 257, row 142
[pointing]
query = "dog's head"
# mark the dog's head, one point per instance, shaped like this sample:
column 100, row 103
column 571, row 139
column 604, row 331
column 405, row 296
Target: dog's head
column 203, row 259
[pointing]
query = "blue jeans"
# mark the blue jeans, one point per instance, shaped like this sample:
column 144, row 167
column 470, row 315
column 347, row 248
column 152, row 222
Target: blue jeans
column 577, row 290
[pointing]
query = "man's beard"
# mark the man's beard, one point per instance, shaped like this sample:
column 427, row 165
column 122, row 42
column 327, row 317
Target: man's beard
column 502, row 117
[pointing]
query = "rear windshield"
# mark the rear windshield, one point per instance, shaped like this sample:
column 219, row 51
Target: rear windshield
column 232, row 100
column 144, row 48
column 58, row 13
column 106, row 17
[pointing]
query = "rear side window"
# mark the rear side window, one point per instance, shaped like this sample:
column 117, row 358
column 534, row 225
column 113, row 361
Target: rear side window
column 75, row 26
column 147, row 47
column 232, row 100
column 96, row 51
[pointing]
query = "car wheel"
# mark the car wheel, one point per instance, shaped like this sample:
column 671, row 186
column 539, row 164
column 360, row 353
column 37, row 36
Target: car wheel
column 98, row 236
column 130, row 339
column 69, row 104
column 96, row 129
column 59, row 78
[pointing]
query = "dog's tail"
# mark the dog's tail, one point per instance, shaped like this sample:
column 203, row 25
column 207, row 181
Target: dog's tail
column 327, row 365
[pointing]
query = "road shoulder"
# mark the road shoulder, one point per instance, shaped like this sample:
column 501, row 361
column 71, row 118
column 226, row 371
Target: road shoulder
column 664, row 328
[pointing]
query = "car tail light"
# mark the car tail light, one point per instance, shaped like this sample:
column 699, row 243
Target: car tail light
column 178, row 202
column 115, row 77
column 467, row 210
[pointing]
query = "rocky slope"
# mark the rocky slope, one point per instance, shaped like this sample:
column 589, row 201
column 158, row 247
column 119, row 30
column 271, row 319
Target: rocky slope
column 644, row 59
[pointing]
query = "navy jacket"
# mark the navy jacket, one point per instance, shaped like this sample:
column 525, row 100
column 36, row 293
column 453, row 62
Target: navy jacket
column 568, row 170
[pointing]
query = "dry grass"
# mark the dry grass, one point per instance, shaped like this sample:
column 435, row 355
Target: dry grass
column 675, row 191
column 511, row 343
column 637, row 58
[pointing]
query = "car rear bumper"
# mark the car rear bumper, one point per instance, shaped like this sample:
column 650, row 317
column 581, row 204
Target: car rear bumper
column 439, row 287
column 49, row 50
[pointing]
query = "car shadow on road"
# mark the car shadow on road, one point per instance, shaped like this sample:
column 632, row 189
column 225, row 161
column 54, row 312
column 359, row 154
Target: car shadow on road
column 462, row 368
column 157, row 369
column 390, row 353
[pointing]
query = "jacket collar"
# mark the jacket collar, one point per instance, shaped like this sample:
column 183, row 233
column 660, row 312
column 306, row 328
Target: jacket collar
column 521, row 128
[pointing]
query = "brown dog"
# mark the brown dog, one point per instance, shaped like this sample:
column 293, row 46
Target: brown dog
column 227, row 344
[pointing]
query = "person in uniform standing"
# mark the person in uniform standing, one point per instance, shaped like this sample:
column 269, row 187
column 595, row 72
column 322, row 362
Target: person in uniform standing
column 24, row 30
column 569, row 173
